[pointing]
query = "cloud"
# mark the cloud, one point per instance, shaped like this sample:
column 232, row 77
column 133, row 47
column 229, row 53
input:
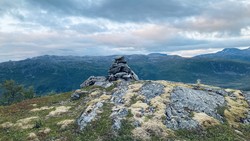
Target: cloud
column 105, row 27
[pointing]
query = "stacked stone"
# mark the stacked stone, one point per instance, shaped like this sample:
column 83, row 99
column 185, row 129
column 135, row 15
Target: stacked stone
column 120, row 70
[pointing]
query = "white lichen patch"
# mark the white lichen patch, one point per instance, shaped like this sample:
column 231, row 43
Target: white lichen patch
column 45, row 131
column 65, row 123
column 6, row 125
column 59, row 110
column 26, row 123
column 41, row 109
column 205, row 120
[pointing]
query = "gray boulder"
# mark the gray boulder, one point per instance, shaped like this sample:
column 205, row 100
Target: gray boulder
column 77, row 94
column 97, row 81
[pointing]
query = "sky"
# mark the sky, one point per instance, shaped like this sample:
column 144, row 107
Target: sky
column 31, row 28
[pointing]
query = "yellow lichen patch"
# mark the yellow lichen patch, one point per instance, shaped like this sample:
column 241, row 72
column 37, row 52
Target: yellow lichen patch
column 45, row 131
column 25, row 123
column 6, row 125
column 32, row 136
column 237, row 109
column 59, row 110
column 41, row 109
column 152, row 127
column 65, row 123
column 205, row 120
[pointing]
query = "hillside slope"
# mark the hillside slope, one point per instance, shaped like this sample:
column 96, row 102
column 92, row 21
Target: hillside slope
column 62, row 74
column 136, row 110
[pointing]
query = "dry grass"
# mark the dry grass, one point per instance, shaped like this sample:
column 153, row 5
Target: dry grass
column 205, row 120
column 237, row 109
column 32, row 136
column 65, row 123
column 26, row 123
column 149, row 129
column 6, row 125
column 59, row 110
column 41, row 109
column 45, row 131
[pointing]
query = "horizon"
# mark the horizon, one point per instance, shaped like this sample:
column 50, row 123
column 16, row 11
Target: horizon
column 178, row 53
column 31, row 28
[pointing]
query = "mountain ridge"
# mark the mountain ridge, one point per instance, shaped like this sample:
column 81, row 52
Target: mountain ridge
column 61, row 74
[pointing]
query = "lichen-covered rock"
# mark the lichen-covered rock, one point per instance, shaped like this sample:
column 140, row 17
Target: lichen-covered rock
column 122, row 88
column 184, row 101
column 87, row 116
column 151, row 90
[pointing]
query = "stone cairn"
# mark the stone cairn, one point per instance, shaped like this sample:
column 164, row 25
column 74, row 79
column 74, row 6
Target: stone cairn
column 120, row 70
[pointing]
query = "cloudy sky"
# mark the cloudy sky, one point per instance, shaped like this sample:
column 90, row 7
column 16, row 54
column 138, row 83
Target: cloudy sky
column 104, row 27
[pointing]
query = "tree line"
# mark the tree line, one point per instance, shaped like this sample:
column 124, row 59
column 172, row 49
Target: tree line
column 12, row 92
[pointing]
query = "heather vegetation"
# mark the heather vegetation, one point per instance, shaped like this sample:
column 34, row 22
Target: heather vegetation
column 11, row 92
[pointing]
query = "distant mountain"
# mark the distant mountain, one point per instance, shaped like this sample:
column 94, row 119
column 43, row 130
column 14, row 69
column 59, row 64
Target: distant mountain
column 65, row 73
column 229, row 53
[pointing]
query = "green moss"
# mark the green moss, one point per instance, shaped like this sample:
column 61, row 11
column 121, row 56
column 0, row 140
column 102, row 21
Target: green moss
column 133, row 99
column 214, row 133
column 124, row 134
column 220, row 110
column 110, row 88
column 245, row 129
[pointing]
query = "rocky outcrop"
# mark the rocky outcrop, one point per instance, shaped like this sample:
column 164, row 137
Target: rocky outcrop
column 151, row 106
column 120, row 70
column 184, row 101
